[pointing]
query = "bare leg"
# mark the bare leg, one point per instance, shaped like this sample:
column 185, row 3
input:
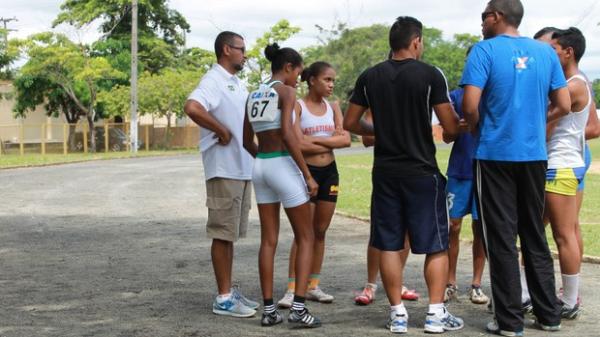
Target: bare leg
column 323, row 213
column 562, row 211
column 269, row 233
column 373, row 257
column 222, row 261
column 577, row 226
column 391, row 267
column 304, row 236
column 436, row 276
column 478, row 253
column 453, row 249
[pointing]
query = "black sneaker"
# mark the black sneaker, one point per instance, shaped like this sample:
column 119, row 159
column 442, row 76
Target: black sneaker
column 303, row 319
column 527, row 307
column 271, row 319
column 570, row 313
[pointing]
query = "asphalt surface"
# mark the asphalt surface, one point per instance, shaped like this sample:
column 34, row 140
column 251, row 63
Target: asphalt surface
column 118, row 248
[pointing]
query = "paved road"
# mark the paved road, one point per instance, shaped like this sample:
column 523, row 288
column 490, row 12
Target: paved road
column 117, row 248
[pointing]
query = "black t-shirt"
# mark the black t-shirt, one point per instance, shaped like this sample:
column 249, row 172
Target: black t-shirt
column 401, row 95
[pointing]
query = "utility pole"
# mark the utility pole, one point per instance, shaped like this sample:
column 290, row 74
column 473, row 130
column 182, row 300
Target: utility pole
column 133, row 125
column 5, row 21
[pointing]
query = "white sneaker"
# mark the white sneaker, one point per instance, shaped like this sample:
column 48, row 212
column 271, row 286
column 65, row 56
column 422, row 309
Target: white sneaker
column 477, row 296
column 286, row 301
column 398, row 324
column 235, row 291
column 451, row 293
column 439, row 324
column 232, row 307
column 316, row 294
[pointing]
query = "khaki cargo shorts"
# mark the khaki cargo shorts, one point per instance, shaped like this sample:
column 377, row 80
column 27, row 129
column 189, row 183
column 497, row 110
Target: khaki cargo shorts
column 228, row 202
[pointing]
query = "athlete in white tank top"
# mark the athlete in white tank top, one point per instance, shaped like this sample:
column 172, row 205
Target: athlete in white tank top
column 315, row 125
column 566, row 145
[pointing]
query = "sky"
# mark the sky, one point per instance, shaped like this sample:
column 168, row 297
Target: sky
column 252, row 18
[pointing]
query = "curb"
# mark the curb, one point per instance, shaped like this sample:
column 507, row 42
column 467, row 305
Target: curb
column 92, row 160
column 586, row 258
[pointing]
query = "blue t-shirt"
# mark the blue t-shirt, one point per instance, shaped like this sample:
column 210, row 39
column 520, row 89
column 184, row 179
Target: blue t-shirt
column 516, row 75
column 460, row 165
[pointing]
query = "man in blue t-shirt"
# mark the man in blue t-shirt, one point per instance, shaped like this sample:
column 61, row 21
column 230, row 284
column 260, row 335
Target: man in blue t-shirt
column 508, row 80
column 461, row 201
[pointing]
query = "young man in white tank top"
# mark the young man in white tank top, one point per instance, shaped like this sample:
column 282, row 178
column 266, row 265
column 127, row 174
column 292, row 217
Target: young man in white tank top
column 566, row 166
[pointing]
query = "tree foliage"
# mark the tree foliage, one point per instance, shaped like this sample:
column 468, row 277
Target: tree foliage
column 351, row 51
column 9, row 53
column 161, row 30
column 258, row 65
column 60, row 70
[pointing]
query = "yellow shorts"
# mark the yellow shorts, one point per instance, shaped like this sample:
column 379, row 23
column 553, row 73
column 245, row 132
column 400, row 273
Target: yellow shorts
column 564, row 181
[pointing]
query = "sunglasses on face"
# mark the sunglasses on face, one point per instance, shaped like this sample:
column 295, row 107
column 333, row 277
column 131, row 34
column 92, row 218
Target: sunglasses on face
column 484, row 15
column 242, row 49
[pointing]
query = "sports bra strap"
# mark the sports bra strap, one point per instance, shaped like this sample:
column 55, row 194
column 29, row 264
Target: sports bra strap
column 578, row 76
column 270, row 85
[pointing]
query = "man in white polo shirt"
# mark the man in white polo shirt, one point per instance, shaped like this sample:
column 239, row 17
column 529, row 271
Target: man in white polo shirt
column 217, row 106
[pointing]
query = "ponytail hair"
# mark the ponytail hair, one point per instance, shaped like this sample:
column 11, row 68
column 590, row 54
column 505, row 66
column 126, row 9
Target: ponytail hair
column 279, row 57
column 314, row 70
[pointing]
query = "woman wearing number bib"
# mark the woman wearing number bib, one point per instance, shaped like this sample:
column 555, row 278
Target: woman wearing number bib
column 319, row 127
column 280, row 176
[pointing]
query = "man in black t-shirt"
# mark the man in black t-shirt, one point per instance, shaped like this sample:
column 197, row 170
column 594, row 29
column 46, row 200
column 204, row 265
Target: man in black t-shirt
column 409, row 193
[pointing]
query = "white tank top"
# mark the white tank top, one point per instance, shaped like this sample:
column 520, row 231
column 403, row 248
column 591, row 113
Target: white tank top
column 567, row 142
column 317, row 126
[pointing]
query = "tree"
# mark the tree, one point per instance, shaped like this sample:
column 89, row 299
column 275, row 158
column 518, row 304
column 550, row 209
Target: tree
column 340, row 49
column 161, row 30
column 61, row 64
column 259, row 66
column 447, row 55
column 161, row 95
column 9, row 53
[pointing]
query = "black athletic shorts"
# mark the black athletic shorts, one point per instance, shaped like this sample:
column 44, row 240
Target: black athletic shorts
column 328, row 179
column 415, row 205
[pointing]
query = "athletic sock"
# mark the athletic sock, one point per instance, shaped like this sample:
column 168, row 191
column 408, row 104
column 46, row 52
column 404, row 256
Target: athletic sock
column 298, row 304
column 438, row 309
column 399, row 309
column 524, row 289
column 269, row 306
column 372, row 286
column 223, row 297
column 570, row 289
column 313, row 281
column 292, row 284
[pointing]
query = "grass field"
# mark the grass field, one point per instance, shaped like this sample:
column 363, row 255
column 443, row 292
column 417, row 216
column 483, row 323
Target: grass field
column 8, row 161
column 355, row 196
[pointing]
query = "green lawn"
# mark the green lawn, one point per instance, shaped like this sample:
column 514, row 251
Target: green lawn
column 15, row 160
column 355, row 196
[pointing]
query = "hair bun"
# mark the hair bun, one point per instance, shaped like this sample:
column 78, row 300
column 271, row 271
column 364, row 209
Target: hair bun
column 271, row 51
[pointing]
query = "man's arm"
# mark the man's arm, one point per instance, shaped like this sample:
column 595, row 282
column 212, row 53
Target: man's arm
column 470, row 105
column 560, row 104
column 203, row 118
column 448, row 120
column 353, row 121
column 592, row 128
column 248, row 137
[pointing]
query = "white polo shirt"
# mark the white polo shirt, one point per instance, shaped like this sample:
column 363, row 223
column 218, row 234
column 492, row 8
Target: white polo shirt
column 224, row 96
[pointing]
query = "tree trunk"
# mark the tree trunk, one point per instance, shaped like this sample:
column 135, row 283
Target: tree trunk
column 168, row 132
column 72, row 140
column 92, row 134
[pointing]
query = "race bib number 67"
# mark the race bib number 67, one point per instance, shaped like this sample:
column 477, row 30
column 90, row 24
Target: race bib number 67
column 262, row 106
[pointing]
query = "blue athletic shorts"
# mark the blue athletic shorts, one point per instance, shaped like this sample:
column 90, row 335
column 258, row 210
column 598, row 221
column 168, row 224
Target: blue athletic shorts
column 413, row 205
column 588, row 162
column 461, row 198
